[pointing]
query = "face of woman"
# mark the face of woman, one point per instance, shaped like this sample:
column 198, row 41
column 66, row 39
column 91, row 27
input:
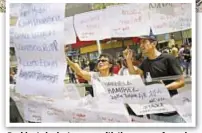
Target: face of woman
column 103, row 64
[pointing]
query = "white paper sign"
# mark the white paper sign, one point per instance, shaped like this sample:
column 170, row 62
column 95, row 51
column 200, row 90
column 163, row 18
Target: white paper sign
column 83, row 115
column 128, row 20
column 52, row 115
column 40, row 54
column 90, row 26
column 157, row 101
column 125, row 89
column 62, row 110
column 32, row 14
column 32, row 111
column 183, row 103
column 83, row 112
column 169, row 17
column 70, row 35
column 71, row 92
column 111, row 112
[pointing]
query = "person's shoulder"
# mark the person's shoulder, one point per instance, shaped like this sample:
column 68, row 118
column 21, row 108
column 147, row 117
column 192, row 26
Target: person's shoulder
column 94, row 73
column 167, row 56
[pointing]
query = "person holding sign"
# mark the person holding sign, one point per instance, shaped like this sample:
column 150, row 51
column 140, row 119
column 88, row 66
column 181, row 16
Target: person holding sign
column 104, row 66
column 157, row 65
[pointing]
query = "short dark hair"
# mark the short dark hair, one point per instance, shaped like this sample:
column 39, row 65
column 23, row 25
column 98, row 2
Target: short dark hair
column 150, row 40
column 111, row 60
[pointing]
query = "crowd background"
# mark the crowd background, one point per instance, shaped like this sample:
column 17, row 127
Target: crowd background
column 182, row 54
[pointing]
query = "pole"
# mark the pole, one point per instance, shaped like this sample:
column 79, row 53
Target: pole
column 183, row 42
column 99, row 47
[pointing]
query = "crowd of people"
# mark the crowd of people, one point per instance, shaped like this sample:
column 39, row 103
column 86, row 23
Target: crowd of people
column 182, row 55
column 154, row 63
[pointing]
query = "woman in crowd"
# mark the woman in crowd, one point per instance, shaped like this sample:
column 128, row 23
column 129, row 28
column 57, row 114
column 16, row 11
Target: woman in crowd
column 104, row 67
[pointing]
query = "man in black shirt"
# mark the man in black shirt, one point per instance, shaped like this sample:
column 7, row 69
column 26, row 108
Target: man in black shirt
column 158, row 65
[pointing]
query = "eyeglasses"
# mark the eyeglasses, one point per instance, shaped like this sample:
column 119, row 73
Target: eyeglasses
column 102, row 61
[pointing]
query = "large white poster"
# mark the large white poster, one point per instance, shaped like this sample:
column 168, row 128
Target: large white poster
column 157, row 101
column 40, row 53
column 128, row 20
column 169, row 17
column 91, row 26
column 124, row 89
column 132, row 20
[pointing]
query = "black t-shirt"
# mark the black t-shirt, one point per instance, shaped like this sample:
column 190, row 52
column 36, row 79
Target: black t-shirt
column 163, row 65
column 187, row 55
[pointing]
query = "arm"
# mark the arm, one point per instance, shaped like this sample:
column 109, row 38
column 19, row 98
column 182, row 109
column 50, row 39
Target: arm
column 176, row 84
column 131, row 68
column 174, row 69
column 77, row 69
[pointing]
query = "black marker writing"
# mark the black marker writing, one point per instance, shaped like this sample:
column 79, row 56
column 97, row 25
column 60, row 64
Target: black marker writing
column 40, row 48
column 35, row 22
column 38, row 75
column 40, row 63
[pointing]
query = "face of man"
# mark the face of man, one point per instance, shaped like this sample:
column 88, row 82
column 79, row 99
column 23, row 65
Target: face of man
column 147, row 46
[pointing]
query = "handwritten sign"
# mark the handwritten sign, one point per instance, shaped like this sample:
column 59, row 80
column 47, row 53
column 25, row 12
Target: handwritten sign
column 51, row 114
column 125, row 89
column 183, row 103
column 90, row 26
column 82, row 112
column 127, row 20
column 36, row 14
column 157, row 101
column 113, row 118
column 84, row 115
column 70, row 36
column 40, row 51
column 111, row 112
column 71, row 92
column 32, row 111
column 169, row 17
column 62, row 110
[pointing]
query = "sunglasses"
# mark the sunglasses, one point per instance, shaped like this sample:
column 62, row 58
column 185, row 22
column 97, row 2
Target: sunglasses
column 102, row 61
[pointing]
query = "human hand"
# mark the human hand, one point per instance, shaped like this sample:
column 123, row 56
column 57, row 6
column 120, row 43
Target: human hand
column 128, row 54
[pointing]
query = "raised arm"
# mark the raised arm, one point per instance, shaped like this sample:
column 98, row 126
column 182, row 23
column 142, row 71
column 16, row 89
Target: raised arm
column 128, row 54
column 77, row 69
